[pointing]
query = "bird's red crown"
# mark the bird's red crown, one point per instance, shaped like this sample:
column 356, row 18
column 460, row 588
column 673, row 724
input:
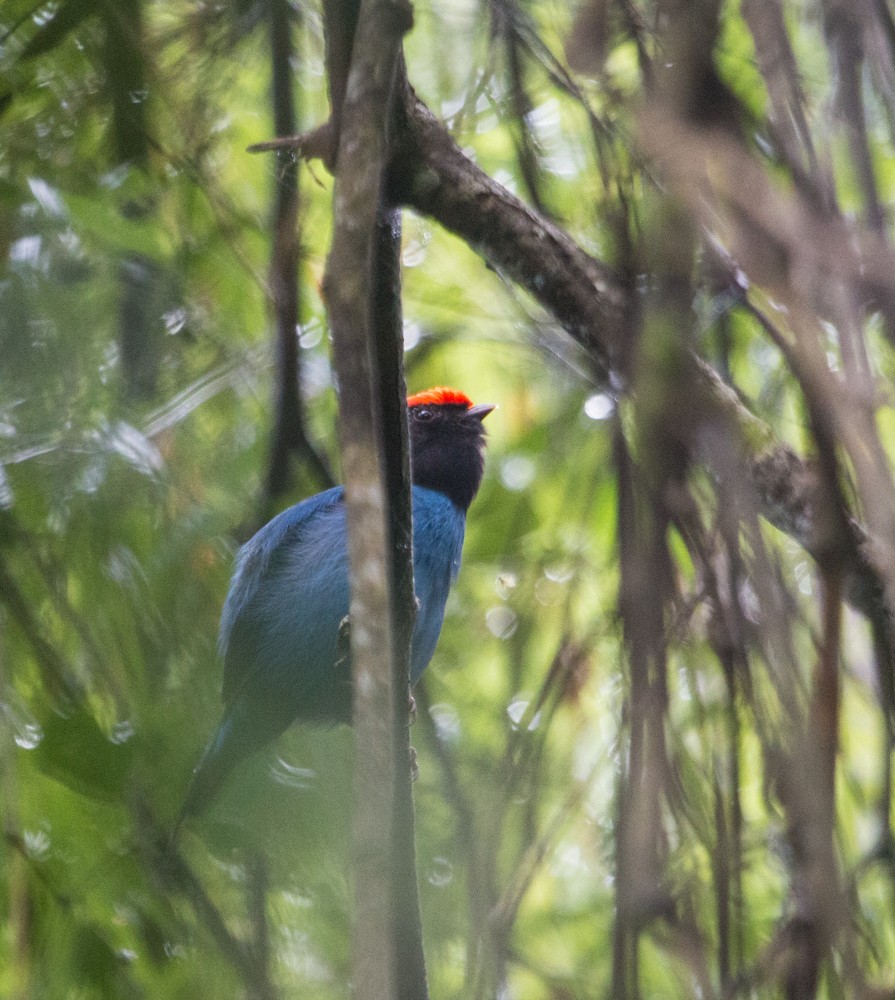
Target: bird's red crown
column 440, row 396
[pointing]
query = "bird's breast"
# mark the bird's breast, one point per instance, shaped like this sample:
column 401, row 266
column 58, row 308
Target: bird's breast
column 438, row 528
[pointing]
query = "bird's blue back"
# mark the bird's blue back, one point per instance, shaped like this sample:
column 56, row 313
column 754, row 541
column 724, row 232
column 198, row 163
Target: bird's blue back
column 289, row 593
column 280, row 627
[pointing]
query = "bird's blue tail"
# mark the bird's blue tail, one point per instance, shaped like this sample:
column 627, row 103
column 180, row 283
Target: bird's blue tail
column 220, row 756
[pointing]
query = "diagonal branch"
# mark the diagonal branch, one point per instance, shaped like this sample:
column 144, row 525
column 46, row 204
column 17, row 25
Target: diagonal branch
column 431, row 174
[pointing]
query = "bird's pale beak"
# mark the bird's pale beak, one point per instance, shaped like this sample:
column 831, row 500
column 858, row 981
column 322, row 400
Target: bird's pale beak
column 482, row 410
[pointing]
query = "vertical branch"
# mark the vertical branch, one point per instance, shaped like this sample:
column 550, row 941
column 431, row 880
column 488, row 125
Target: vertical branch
column 666, row 414
column 19, row 904
column 256, row 898
column 729, row 822
column 721, row 871
column 820, row 909
column 824, row 719
column 885, row 674
column 339, row 25
column 844, row 29
column 735, row 837
column 729, row 642
column 717, row 556
column 388, row 333
column 290, row 426
column 481, row 893
column 505, row 16
column 365, row 322
column 639, row 892
column 808, row 795
column 288, row 419
column 777, row 63
column 139, row 322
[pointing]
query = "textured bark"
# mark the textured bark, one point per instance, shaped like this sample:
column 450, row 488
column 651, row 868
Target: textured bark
column 388, row 333
column 365, row 320
column 431, row 174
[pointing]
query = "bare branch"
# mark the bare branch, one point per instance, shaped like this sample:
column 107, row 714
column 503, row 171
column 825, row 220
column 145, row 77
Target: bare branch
column 290, row 426
column 363, row 322
column 429, row 173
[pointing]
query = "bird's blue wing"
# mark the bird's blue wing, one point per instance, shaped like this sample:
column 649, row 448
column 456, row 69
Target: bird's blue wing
column 438, row 528
column 287, row 596
column 279, row 631
column 280, row 623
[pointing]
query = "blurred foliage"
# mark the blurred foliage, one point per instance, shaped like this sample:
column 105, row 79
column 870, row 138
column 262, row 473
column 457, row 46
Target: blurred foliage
column 123, row 498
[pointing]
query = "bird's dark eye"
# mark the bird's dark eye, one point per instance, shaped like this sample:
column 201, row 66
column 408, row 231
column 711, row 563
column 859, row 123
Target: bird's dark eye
column 423, row 414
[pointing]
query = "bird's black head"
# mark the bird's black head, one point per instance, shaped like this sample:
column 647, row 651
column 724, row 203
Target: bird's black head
column 447, row 440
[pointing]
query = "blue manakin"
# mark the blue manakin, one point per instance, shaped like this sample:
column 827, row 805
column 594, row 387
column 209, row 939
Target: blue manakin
column 279, row 634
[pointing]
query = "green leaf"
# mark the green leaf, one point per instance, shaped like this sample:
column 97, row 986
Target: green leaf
column 54, row 31
column 76, row 752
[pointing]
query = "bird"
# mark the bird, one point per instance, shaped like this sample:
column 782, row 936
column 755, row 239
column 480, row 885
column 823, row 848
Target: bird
column 287, row 604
